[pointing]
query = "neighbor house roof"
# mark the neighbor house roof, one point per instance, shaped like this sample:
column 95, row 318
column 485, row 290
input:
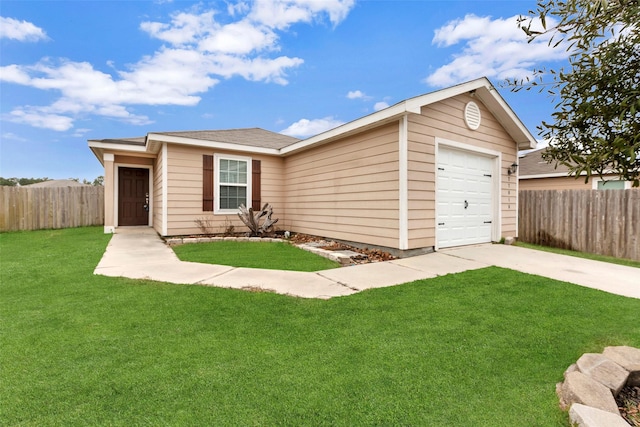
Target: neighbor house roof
column 57, row 183
column 532, row 165
column 257, row 140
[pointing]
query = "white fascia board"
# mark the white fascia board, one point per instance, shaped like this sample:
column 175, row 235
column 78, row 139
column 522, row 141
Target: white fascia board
column 212, row 144
column 412, row 105
column 507, row 118
column 117, row 147
column 374, row 119
column 550, row 175
column 484, row 90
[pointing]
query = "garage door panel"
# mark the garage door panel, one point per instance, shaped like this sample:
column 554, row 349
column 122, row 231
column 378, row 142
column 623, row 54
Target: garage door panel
column 464, row 186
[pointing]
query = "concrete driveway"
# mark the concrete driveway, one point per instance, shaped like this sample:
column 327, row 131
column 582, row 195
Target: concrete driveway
column 139, row 253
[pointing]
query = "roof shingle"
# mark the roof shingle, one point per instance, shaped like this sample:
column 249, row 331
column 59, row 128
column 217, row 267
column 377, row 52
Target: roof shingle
column 254, row 137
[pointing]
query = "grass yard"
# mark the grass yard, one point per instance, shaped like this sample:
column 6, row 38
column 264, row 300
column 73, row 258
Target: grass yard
column 481, row 348
column 595, row 257
column 272, row 256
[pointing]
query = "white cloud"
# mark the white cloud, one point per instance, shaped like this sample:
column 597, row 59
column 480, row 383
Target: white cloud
column 239, row 8
column 199, row 51
column 20, row 30
column 13, row 137
column 40, row 119
column 239, row 38
column 304, row 128
column 280, row 14
column 183, row 29
column 380, row 106
column 80, row 132
column 355, row 94
column 492, row 48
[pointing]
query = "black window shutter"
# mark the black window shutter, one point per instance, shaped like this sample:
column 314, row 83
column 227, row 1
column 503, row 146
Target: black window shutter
column 207, row 183
column 255, row 185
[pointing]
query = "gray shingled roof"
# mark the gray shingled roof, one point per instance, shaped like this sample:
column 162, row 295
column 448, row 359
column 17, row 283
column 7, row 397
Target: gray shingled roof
column 138, row 140
column 254, row 137
column 533, row 164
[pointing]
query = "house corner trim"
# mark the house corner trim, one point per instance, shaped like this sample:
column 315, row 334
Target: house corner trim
column 403, row 173
column 165, row 191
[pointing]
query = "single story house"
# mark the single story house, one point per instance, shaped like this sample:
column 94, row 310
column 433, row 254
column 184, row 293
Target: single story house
column 430, row 172
column 536, row 174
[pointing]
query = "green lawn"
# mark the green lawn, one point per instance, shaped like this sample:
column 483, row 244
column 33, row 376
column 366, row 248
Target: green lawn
column 595, row 257
column 481, row 348
column 273, row 256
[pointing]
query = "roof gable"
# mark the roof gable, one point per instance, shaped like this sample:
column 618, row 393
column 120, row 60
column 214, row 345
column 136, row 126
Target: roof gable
column 256, row 140
column 480, row 88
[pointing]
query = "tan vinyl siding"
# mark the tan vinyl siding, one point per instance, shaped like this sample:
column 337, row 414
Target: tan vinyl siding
column 557, row 183
column 157, row 194
column 445, row 120
column 347, row 189
column 132, row 160
column 184, row 192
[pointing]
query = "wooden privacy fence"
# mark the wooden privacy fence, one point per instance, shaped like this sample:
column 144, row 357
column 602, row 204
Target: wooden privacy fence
column 24, row 208
column 595, row 221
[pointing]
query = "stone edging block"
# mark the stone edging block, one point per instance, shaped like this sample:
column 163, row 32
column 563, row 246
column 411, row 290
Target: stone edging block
column 586, row 416
column 629, row 359
column 591, row 384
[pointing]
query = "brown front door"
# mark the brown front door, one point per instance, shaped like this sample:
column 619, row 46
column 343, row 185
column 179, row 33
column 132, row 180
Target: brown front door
column 133, row 196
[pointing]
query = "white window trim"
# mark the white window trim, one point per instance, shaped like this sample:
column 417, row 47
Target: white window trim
column 216, row 182
column 596, row 179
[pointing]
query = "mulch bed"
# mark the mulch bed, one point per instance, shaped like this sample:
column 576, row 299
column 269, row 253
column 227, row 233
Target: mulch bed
column 628, row 401
column 368, row 255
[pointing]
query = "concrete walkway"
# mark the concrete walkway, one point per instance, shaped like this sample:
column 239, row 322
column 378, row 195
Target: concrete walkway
column 139, row 253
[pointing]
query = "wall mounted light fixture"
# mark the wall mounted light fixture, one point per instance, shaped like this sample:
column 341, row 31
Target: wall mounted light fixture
column 512, row 169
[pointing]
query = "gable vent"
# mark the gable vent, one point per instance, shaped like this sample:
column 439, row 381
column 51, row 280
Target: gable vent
column 472, row 115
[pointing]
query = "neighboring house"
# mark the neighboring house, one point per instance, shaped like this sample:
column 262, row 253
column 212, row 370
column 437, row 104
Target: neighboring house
column 428, row 172
column 536, row 174
column 56, row 183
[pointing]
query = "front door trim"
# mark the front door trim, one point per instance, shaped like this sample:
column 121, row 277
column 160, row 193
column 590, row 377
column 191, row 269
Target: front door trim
column 116, row 189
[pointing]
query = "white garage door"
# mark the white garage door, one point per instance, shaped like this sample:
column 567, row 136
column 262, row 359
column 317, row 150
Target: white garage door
column 464, row 186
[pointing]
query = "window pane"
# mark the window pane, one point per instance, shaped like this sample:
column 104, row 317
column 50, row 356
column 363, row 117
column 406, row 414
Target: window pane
column 232, row 197
column 242, row 178
column 611, row 185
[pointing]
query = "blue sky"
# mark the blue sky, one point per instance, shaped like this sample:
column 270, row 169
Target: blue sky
column 77, row 70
